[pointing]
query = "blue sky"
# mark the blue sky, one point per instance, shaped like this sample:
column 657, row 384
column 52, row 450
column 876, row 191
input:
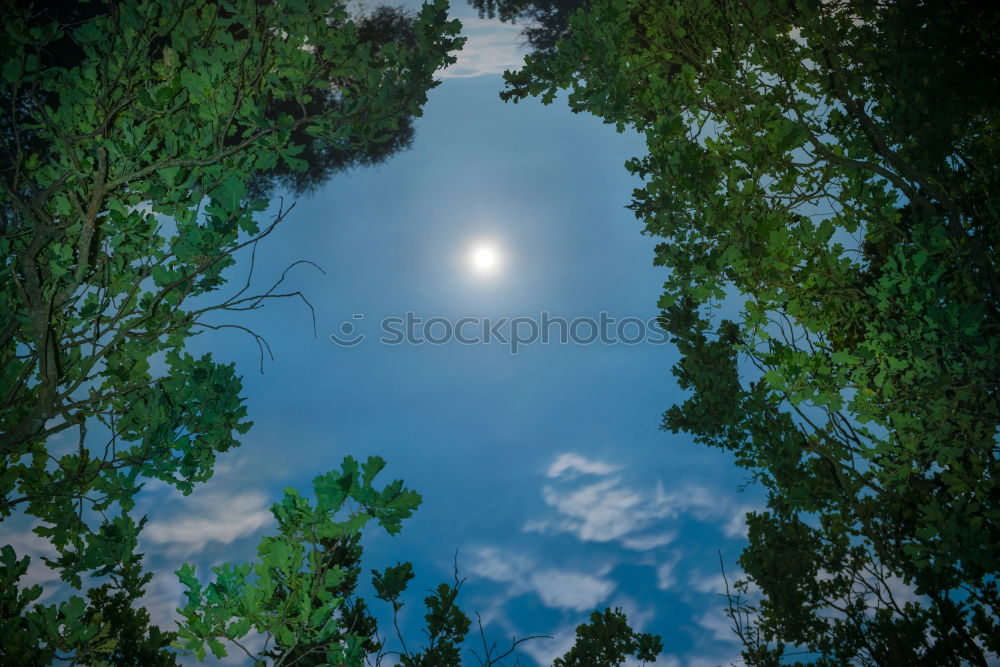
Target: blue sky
column 545, row 469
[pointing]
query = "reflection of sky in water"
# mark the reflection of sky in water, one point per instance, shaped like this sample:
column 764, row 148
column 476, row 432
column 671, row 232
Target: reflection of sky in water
column 546, row 470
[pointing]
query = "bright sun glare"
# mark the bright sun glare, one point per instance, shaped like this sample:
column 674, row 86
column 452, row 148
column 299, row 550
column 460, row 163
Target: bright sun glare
column 484, row 258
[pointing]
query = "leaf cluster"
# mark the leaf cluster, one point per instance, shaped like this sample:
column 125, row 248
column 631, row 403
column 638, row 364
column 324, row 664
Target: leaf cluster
column 609, row 641
column 108, row 629
column 300, row 593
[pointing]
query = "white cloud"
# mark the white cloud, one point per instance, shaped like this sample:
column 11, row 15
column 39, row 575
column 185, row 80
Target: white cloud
column 495, row 565
column 718, row 625
column 715, row 583
column 491, row 47
column 570, row 590
column 665, row 576
column 209, row 515
column 603, row 511
column 709, row 584
column 537, row 526
column 28, row 543
column 570, row 465
column 736, row 527
column 545, row 651
column 638, row 615
column 597, row 501
column 253, row 643
column 164, row 594
column 647, row 542
column 555, row 587
column 609, row 509
column 902, row 592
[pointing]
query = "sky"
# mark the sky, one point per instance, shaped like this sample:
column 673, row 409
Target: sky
column 545, row 470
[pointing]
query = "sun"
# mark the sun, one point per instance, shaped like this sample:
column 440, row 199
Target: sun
column 484, row 258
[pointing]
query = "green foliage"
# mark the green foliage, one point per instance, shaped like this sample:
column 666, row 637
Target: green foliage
column 391, row 582
column 300, row 594
column 447, row 626
column 608, row 641
column 109, row 629
column 137, row 139
column 132, row 640
column 831, row 169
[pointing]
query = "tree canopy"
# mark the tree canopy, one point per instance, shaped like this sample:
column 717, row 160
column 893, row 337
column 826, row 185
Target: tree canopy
column 142, row 141
column 608, row 640
column 823, row 178
column 138, row 138
column 168, row 116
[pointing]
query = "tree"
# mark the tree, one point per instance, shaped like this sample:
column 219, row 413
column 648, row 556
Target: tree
column 830, row 168
column 109, row 629
column 135, row 641
column 608, row 641
column 300, row 595
column 322, row 158
column 136, row 137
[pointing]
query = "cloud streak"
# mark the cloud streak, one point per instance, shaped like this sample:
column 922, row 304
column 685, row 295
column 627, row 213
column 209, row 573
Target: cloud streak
column 28, row 543
column 609, row 509
column 571, row 465
column 209, row 516
column 490, row 48
column 570, row 590
column 556, row 588
column 598, row 501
